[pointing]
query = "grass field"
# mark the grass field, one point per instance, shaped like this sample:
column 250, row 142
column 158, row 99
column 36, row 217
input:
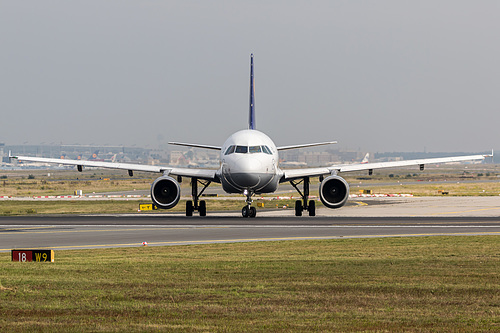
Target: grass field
column 29, row 207
column 26, row 183
column 65, row 182
column 432, row 284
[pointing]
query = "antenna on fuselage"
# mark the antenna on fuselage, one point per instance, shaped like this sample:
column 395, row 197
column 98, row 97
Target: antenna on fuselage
column 251, row 117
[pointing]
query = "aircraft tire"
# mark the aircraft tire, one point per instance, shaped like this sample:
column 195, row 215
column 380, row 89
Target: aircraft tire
column 298, row 208
column 189, row 208
column 312, row 208
column 202, row 209
column 245, row 211
column 253, row 212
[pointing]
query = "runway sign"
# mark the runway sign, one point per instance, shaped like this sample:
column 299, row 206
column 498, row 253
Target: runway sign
column 147, row 207
column 33, row 255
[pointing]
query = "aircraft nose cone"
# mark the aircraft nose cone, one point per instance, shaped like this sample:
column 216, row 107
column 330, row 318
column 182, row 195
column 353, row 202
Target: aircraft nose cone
column 246, row 180
column 246, row 172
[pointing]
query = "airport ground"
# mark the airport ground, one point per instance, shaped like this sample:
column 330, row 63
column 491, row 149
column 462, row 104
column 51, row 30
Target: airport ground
column 365, row 217
column 110, row 219
column 412, row 264
column 454, row 179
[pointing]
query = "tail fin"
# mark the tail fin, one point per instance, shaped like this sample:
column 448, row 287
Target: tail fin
column 94, row 155
column 251, row 118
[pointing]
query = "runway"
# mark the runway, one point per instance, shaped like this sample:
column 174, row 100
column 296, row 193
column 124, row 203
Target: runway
column 102, row 231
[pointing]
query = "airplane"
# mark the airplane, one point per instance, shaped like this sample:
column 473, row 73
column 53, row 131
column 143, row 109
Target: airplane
column 94, row 155
column 366, row 159
column 249, row 166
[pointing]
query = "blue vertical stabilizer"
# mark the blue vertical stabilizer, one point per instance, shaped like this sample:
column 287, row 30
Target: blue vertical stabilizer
column 251, row 117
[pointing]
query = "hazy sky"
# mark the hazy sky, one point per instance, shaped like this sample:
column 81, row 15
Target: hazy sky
column 374, row 75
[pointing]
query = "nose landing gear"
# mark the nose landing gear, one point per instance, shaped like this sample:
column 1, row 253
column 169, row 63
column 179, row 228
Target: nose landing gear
column 248, row 210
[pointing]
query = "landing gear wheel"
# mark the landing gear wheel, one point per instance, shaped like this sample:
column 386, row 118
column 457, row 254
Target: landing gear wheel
column 245, row 211
column 202, row 208
column 312, row 208
column 189, row 208
column 253, row 212
column 201, row 205
column 298, row 208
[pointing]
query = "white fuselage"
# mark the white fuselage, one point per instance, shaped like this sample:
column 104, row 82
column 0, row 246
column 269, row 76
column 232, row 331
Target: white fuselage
column 249, row 162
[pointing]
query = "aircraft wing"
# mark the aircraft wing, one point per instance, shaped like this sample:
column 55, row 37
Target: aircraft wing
column 394, row 164
column 195, row 145
column 290, row 174
column 206, row 174
column 306, row 145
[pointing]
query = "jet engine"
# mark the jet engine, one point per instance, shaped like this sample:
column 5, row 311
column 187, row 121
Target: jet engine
column 334, row 192
column 165, row 192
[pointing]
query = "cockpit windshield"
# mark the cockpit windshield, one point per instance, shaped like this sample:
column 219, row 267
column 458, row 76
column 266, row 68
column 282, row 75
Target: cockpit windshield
column 241, row 149
column 266, row 150
column 230, row 150
column 248, row 150
column 254, row 149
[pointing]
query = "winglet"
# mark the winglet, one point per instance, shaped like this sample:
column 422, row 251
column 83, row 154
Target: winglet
column 251, row 117
column 489, row 155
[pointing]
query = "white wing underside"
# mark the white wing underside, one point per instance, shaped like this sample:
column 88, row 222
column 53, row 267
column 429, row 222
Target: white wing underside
column 195, row 145
column 206, row 174
column 290, row 174
column 306, row 145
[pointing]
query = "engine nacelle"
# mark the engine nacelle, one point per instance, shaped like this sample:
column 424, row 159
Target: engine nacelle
column 334, row 192
column 165, row 192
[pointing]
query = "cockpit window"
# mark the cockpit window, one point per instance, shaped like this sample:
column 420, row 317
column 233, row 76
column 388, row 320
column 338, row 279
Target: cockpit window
column 246, row 150
column 241, row 149
column 266, row 150
column 254, row 149
column 230, row 150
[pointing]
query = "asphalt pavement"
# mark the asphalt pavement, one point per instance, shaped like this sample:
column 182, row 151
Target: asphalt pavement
column 368, row 217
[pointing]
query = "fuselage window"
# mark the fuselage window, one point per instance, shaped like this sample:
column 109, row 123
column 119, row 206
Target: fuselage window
column 241, row 149
column 255, row 149
column 229, row 150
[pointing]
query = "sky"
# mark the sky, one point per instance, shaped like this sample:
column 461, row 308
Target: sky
column 376, row 76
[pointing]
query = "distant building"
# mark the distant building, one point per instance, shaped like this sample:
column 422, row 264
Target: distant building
column 3, row 158
column 177, row 158
column 84, row 152
column 316, row 158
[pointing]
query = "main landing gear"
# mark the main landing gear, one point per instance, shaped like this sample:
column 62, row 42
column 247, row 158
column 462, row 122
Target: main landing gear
column 301, row 205
column 248, row 210
column 192, row 205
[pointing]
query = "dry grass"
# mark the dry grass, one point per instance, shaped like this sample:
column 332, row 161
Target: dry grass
column 430, row 189
column 444, row 284
column 17, row 184
column 42, row 186
column 28, row 207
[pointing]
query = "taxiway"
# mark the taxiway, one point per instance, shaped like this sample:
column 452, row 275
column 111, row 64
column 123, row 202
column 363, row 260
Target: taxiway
column 384, row 217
